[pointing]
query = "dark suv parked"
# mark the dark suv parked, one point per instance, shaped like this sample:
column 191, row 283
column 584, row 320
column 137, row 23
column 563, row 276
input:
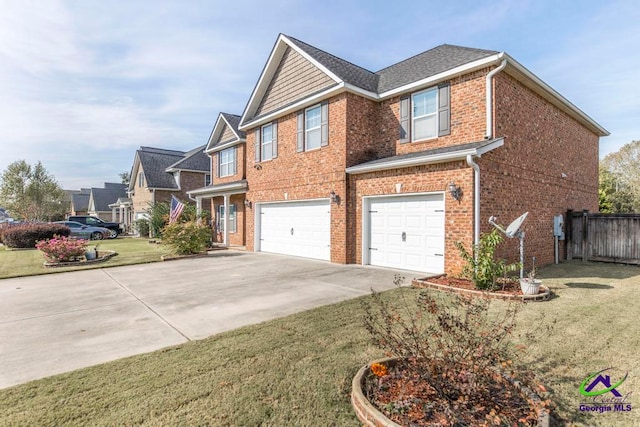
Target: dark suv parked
column 97, row 222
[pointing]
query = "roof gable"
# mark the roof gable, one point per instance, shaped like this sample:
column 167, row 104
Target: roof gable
column 285, row 60
column 154, row 162
column 101, row 198
column 225, row 131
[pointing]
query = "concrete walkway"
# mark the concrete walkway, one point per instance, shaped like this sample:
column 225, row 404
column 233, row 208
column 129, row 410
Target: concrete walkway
column 60, row 322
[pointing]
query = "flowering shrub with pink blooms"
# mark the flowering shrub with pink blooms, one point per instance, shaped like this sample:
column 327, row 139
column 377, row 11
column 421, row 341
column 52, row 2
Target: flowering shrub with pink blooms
column 62, row 249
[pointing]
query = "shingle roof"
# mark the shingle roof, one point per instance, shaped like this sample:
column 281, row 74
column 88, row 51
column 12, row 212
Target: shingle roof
column 103, row 197
column 427, row 64
column 80, row 201
column 234, row 122
column 418, row 67
column 194, row 160
column 345, row 70
column 432, row 152
column 154, row 162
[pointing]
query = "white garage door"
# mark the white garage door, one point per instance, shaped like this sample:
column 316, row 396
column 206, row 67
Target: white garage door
column 407, row 232
column 296, row 228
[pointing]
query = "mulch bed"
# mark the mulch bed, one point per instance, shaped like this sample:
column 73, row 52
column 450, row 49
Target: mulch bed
column 409, row 400
column 507, row 286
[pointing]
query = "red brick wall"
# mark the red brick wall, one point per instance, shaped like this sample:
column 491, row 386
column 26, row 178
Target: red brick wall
column 541, row 143
column 240, row 166
column 301, row 176
column 467, row 118
column 419, row 179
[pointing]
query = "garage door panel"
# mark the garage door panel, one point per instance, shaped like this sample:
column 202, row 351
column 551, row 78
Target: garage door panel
column 298, row 228
column 421, row 219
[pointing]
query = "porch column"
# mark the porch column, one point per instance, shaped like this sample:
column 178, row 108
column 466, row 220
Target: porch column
column 113, row 214
column 121, row 219
column 199, row 209
column 226, row 220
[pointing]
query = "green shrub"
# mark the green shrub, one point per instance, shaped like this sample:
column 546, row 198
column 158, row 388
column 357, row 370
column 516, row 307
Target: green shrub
column 187, row 237
column 27, row 235
column 481, row 266
column 142, row 225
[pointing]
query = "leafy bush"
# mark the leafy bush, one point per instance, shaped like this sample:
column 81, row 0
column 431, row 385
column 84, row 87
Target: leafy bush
column 62, row 249
column 187, row 238
column 455, row 358
column 158, row 218
column 27, row 235
column 142, row 225
column 481, row 266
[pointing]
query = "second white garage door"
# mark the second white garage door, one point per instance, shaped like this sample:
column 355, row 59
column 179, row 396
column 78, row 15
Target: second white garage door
column 407, row 232
column 296, row 228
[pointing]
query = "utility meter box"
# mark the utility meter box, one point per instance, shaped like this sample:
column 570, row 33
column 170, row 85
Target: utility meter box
column 558, row 227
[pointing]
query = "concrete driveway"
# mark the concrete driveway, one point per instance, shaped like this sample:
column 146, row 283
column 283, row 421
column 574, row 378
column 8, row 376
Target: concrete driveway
column 60, row 322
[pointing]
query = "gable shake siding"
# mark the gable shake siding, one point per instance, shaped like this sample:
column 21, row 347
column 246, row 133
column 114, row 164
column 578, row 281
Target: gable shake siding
column 295, row 78
column 227, row 135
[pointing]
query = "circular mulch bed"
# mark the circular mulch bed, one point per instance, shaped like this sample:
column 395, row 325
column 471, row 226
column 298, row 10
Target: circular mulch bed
column 509, row 289
column 400, row 398
column 102, row 256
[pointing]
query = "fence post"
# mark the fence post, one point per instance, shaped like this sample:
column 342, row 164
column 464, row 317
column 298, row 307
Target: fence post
column 585, row 234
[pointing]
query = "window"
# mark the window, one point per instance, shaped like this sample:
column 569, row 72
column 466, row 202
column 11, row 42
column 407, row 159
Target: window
column 141, row 179
column 313, row 127
column 207, row 179
column 232, row 218
column 227, row 162
column 426, row 114
column 266, row 147
column 266, row 142
column 312, row 124
column 424, row 121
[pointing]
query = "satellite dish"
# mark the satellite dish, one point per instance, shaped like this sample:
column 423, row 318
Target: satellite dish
column 512, row 229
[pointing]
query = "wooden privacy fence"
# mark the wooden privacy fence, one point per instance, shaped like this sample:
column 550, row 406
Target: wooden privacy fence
column 603, row 237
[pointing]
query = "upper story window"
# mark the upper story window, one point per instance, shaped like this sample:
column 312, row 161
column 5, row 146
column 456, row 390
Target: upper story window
column 424, row 120
column 266, row 142
column 141, row 179
column 207, row 179
column 425, row 114
column 227, row 162
column 313, row 127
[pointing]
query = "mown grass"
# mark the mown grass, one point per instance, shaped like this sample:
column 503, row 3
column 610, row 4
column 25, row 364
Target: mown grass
column 16, row 263
column 297, row 370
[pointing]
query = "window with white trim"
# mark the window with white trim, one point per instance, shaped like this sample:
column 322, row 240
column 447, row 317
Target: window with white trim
column 312, row 122
column 232, row 218
column 424, row 120
column 141, row 179
column 227, row 162
column 207, row 179
column 266, row 143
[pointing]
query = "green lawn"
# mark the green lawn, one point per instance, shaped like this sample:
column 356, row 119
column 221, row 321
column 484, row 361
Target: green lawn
column 297, row 370
column 15, row 263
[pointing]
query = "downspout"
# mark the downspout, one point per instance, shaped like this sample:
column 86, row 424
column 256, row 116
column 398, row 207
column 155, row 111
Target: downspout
column 489, row 100
column 476, row 199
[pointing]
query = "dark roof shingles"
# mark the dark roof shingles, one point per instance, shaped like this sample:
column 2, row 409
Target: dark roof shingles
column 154, row 163
column 103, row 197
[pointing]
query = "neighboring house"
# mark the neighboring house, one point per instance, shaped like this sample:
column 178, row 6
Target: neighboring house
column 158, row 173
column 101, row 200
column 80, row 202
column 343, row 164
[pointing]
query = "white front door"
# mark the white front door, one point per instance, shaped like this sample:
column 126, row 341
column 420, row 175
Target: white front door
column 296, row 228
column 407, row 232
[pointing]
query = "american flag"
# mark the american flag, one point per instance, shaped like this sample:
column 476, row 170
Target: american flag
column 176, row 209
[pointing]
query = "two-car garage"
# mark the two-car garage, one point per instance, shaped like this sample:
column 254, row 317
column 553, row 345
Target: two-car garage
column 404, row 232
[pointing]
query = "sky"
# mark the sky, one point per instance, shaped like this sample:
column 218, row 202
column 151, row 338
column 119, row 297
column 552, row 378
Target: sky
column 83, row 84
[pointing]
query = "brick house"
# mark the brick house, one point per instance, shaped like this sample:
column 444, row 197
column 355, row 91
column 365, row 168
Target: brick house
column 157, row 174
column 343, row 164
